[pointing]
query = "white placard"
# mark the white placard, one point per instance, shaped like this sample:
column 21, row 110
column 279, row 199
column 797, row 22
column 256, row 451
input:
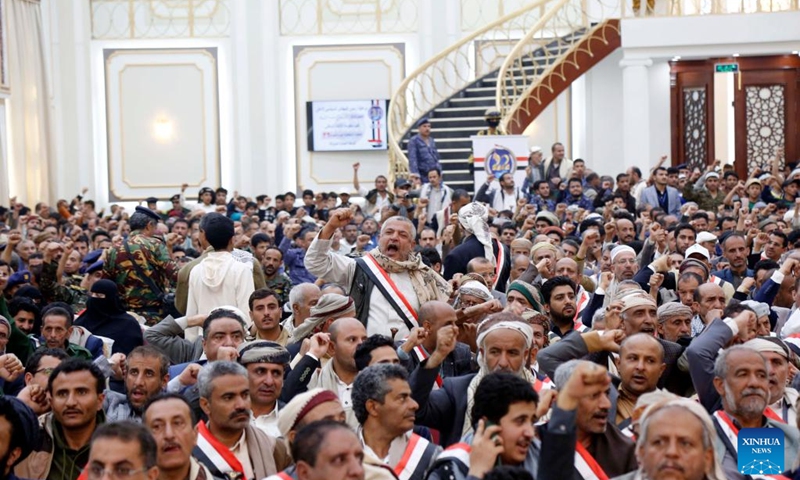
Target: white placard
column 499, row 154
column 347, row 125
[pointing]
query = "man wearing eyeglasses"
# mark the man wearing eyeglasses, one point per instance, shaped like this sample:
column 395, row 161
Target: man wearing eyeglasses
column 37, row 372
column 122, row 451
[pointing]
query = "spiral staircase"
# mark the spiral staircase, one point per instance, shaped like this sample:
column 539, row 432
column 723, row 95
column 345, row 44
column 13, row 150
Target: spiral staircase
column 552, row 43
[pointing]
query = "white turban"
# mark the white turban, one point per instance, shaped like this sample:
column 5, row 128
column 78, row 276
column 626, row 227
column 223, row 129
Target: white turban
column 473, row 218
column 621, row 249
column 520, row 327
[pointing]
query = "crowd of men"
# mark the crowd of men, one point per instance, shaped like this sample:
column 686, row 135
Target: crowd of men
column 580, row 326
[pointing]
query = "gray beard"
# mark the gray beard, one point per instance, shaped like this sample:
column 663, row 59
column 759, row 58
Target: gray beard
column 747, row 408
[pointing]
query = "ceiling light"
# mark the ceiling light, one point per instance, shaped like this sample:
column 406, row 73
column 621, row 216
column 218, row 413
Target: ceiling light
column 163, row 130
column 735, row 54
column 676, row 58
column 795, row 52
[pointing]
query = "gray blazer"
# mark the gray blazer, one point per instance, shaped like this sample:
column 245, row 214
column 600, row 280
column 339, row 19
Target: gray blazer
column 650, row 197
column 167, row 336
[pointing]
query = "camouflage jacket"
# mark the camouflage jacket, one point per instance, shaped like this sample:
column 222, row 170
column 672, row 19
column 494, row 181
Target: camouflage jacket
column 152, row 257
column 280, row 285
column 70, row 293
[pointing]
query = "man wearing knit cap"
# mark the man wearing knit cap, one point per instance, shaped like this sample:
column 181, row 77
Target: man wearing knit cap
column 385, row 412
column 307, row 407
column 674, row 321
column 522, row 295
column 521, row 246
column 623, row 263
column 266, row 363
column 707, row 240
column 336, row 374
column 544, row 254
column 389, row 284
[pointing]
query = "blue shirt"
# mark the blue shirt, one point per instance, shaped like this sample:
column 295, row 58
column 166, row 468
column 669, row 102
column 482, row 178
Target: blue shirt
column 422, row 157
column 294, row 259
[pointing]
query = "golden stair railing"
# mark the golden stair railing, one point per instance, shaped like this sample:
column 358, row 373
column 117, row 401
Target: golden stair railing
column 452, row 70
column 539, row 59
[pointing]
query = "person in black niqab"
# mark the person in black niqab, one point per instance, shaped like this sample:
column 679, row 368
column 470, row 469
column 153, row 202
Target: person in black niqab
column 104, row 316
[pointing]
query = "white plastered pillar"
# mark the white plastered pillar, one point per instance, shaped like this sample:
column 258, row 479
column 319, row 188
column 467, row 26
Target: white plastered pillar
column 636, row 113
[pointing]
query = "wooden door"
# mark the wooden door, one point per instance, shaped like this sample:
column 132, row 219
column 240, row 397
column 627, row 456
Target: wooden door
column 766, row 117
column 692, row 106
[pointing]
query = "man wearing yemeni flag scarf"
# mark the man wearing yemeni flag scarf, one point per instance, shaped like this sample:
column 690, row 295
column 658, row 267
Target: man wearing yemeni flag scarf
column 389, row 284
column 228, row 444
column 601, row 451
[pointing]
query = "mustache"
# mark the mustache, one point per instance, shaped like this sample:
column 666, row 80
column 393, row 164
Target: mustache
column 671, row 465
column 239, row 412
column 754, row 391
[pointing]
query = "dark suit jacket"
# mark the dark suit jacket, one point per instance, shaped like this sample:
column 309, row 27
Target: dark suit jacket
column 458, row 363
column 701, row 354
column 444, row 409
column 456, row 261
column 727, row 275
column 574, row 346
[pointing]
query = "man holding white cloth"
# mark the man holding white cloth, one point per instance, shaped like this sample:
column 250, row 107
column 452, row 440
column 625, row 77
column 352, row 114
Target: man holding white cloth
column 389, row 284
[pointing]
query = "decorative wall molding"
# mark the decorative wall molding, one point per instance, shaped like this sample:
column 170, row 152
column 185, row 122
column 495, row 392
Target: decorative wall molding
column 162, row 121
column 341, row 72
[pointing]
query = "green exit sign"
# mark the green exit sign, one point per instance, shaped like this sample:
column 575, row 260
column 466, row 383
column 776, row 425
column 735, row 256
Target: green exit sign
column 726, row 67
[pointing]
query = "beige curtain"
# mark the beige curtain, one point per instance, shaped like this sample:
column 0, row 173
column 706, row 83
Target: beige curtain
column 29, row 122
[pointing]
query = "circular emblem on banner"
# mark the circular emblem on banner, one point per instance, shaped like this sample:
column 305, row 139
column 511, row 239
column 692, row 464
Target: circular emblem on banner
column 375, row 113
column 500, row 160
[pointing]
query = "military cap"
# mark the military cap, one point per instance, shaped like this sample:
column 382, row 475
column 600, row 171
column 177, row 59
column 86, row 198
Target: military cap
column 150, row 200
column 148, row 212
column 19, row 278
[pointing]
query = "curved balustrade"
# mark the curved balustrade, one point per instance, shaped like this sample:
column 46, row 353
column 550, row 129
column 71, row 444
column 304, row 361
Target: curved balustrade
column 539, row 49
column 452, row 70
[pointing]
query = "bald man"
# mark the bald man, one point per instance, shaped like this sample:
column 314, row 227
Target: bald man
column 336, row 372
column 486, row 269
column 519, row 265
column 641, row 363
column 433, row 316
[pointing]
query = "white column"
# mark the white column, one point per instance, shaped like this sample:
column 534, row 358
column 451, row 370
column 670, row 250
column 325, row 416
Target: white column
column 278, row 172
column 636, row 113
column 5, row 192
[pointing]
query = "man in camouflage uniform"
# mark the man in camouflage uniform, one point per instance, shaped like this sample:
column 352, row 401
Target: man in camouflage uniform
column 153, row 259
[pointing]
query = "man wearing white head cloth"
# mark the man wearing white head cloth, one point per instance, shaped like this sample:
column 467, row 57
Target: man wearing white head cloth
column 623, row 263
column 473, row 218
column 783, row 399
column 504, row 343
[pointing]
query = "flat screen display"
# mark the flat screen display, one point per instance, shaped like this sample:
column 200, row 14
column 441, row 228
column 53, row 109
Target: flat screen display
column 347, row 125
